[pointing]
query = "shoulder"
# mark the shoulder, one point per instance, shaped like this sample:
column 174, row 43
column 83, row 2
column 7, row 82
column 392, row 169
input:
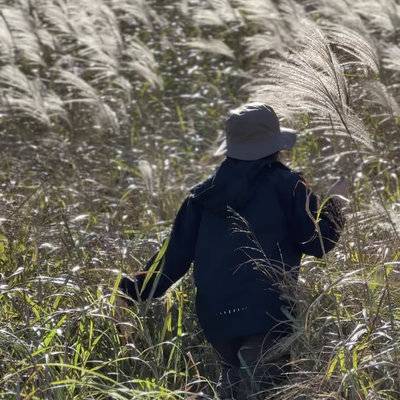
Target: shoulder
column 187, row 215
column 201, row 187
column 290, row 183
column 287, row 175
column 200, row 191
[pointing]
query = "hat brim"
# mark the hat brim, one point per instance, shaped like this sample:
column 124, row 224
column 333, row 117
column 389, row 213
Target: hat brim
column 256, row 149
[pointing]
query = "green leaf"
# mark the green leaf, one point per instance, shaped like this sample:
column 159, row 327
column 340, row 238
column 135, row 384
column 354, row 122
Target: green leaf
column 154, row 265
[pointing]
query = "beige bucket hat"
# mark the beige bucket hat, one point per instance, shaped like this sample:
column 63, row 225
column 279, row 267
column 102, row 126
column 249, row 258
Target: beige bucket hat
column 253, row 131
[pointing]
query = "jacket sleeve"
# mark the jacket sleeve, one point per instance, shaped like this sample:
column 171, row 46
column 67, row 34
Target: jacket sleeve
column 175, row 260
column 315, row 229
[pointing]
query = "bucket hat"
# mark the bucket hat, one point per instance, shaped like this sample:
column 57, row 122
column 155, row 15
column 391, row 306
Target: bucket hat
column 253, row 131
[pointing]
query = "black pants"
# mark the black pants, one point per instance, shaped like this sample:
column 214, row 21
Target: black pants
column 249, row 367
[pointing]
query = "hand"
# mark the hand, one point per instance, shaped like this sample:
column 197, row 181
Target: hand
column 340, row 188
column 128, row 287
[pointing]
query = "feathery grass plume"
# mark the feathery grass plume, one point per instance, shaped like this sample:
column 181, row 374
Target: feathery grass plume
column 391, row 58
column 213, row 46
column 361, row 49
column 99, row 43
column 27, row 48
column 80, row 36
column 28, row 98
column 260, row 43
column 215, row 13
column 262, row 13
column 382, row 16
column 56, row 17
column 82, row 92
column 142, row 61
column 99, row 33
column 315, row 80
column 7, row 46
column 279, row 22
column 147, row 174
column 100, row 47
column 130, row 11
column 382, row 219
column 340, row 12
column 183, row 6
column 379, row 95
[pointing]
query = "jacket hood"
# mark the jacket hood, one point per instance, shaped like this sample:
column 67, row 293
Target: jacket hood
column 232, row 184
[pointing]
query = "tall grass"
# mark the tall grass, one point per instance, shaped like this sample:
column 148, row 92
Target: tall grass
column 110, row 110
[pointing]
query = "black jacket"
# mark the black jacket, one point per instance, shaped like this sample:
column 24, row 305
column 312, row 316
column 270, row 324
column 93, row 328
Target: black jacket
column 243, row 228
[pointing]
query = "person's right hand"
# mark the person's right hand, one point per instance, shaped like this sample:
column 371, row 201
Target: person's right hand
column 340, row 188
column 128, row 287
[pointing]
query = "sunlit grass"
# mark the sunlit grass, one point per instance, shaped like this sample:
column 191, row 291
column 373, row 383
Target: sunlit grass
column 111, row 110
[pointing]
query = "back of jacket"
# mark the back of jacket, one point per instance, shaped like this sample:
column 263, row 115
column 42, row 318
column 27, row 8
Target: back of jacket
column 243, row 251
column 244, row 228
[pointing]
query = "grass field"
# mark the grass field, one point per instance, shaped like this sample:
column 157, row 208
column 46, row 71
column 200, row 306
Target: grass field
column 111, row 109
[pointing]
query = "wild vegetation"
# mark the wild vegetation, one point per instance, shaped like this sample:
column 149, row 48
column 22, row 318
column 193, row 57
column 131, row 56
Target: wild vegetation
column 111, row 109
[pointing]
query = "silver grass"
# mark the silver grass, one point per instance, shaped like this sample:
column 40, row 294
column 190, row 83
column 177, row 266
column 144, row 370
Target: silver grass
column 348, row 124
column 183, row 6
column 215, row 13
column 147, row 174
column 108, row 31
column 46, row 38
column 276, row 41
column 151, row 76
column 382, row 15
column 213, row 46
column 261, row 42
column 21, row 95
column 130, row 10
column 391, row 58
column 24, row 5
column 378, row 94
column 107, row 49
column 166, row 43
column 224, row 9
column 71, row 80
column 100, row 45
column 278, row 23
column 56, row 15
column 99, row 52
column 30, row 107
column 6, row 42
column 142, row 61
column 341, row 12
column 207, row 17
column 293, row 12
column 22, row 32
column 124, row 85
column 362, row 15
column 312, row 80
column 95, row 26
column 353, row 43
column 87, row 94
column 382, row 218
column 260, row 12
column 54, row 105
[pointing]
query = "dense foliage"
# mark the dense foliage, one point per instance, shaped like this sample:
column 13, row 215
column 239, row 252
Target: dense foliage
column 111, row 109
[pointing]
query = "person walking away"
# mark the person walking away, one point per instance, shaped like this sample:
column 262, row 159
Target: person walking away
column 251, row 209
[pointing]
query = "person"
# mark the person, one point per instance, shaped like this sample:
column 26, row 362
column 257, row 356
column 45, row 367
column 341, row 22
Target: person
column 244, row 227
